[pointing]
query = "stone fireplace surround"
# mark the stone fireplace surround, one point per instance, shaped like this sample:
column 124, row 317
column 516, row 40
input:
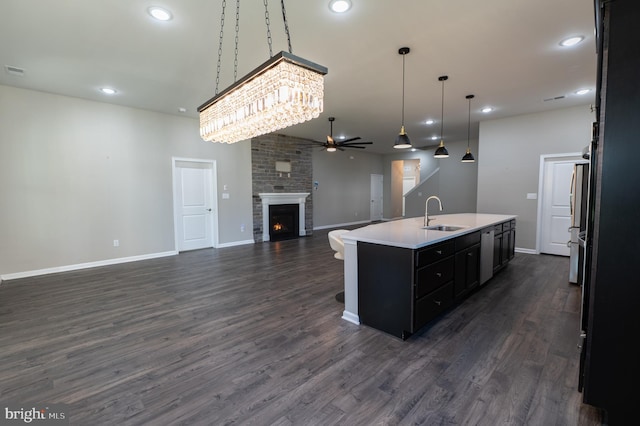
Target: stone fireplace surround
column 265, row 151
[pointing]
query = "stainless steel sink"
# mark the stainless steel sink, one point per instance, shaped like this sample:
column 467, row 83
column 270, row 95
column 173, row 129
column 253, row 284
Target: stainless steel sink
column 445, row 228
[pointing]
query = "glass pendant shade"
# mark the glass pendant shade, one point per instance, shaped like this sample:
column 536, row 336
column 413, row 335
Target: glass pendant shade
column 402, row 140
column 441, row 152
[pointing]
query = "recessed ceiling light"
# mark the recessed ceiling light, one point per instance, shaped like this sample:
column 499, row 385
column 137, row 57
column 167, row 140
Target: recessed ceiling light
column 582, row 91
column 430, row 122
column 486, row 109
column 108, row 90
column 159, row 13
column 182, row 109
column 434, row 138
column 571, row 41
column 340, row 6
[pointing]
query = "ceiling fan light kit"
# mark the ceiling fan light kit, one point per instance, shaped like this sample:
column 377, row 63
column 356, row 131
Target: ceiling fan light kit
column 332, row 146
column 283, row 91
column 402, row 140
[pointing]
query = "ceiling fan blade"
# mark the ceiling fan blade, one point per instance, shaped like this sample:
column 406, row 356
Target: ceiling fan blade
column 349, row 140
column 352, row 146
column 355, row 143
column 318, row 143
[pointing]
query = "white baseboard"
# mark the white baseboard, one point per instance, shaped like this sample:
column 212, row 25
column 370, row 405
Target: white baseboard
column 351, row 317
column 340, row 225
column 236, row 243
column 87, row 265
column 525, row 251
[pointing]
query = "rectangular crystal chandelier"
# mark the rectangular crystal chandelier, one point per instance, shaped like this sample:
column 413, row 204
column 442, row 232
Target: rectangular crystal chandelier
column 283, row 91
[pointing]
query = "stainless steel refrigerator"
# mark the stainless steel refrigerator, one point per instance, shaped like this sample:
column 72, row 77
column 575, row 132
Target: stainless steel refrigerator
column 578, row 203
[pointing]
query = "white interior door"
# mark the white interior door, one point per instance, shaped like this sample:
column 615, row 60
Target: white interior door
column 556, row 210
column 376, row 197
column 194, row 204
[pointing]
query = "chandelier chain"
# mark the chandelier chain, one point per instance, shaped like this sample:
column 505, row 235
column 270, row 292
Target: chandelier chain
column 235, row 59
column 224, row 4
column 286, row 25
column 268, row 22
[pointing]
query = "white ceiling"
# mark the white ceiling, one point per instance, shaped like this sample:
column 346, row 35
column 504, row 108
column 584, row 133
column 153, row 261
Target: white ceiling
column 505, row 52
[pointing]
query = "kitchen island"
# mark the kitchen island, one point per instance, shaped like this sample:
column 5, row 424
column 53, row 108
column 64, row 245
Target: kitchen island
column 399, row 276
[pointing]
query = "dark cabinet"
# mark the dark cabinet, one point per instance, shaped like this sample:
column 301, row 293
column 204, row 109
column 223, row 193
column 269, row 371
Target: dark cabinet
column 467, row 264
column 511, row 252
column 400, row 290
column 504, row 244
column 433, row 288
column 611, row 367
column 497, row 248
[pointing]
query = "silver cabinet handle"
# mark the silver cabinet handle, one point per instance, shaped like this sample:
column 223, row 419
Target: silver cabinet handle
column 437, row 302
column 439, row 251
column 438, row 274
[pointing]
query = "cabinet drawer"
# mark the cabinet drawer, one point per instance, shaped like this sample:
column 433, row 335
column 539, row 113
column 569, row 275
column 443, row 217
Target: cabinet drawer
column 434, row 254
column 513, row 224
column 433, row 276
column 467, row 241
column 432, row 305
column 506, row 226
column 497, row 229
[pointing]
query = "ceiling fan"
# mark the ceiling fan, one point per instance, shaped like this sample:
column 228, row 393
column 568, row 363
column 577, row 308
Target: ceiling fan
column 331, row 145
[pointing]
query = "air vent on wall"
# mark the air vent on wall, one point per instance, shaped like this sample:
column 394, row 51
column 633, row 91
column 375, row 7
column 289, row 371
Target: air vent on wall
column 557, row 98
column 19, row 72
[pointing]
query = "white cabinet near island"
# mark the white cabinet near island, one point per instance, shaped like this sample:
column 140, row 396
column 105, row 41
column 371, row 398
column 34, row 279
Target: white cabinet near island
column 400, row 275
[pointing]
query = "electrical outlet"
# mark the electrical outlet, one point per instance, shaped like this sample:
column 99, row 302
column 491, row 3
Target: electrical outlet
column 242, row 228
column 116, row 243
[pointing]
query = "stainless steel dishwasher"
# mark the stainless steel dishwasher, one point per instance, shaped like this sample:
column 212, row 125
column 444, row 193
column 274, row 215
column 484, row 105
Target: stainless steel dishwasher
column 486, row 255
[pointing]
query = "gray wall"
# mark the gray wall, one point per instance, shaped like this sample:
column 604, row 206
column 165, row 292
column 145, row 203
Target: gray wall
column 509, row 161
column 455, row 183
column 76, row 174
column 428, row 164
column 344, row 186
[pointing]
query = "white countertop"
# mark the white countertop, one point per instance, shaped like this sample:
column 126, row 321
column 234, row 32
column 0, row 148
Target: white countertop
column 408, row 233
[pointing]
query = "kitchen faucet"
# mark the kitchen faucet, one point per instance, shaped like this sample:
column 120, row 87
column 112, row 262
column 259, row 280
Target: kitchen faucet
column 427, row 219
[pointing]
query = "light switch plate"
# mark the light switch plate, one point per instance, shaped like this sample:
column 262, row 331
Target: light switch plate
column 532, row 196
column 225, row 195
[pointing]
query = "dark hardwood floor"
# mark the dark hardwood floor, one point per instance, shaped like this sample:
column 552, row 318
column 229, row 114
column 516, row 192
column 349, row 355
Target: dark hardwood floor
column 253, row 335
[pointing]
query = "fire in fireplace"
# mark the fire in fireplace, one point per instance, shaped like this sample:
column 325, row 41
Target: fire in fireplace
column 283, row 221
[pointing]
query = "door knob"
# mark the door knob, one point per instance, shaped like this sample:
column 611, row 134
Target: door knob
column 208, row 210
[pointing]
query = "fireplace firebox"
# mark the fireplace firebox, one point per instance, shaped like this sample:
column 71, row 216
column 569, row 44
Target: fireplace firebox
column 283, row 221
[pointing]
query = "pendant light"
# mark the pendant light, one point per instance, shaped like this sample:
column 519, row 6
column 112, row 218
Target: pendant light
column 468, row 157
column 442, row 152
column 402, row 140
